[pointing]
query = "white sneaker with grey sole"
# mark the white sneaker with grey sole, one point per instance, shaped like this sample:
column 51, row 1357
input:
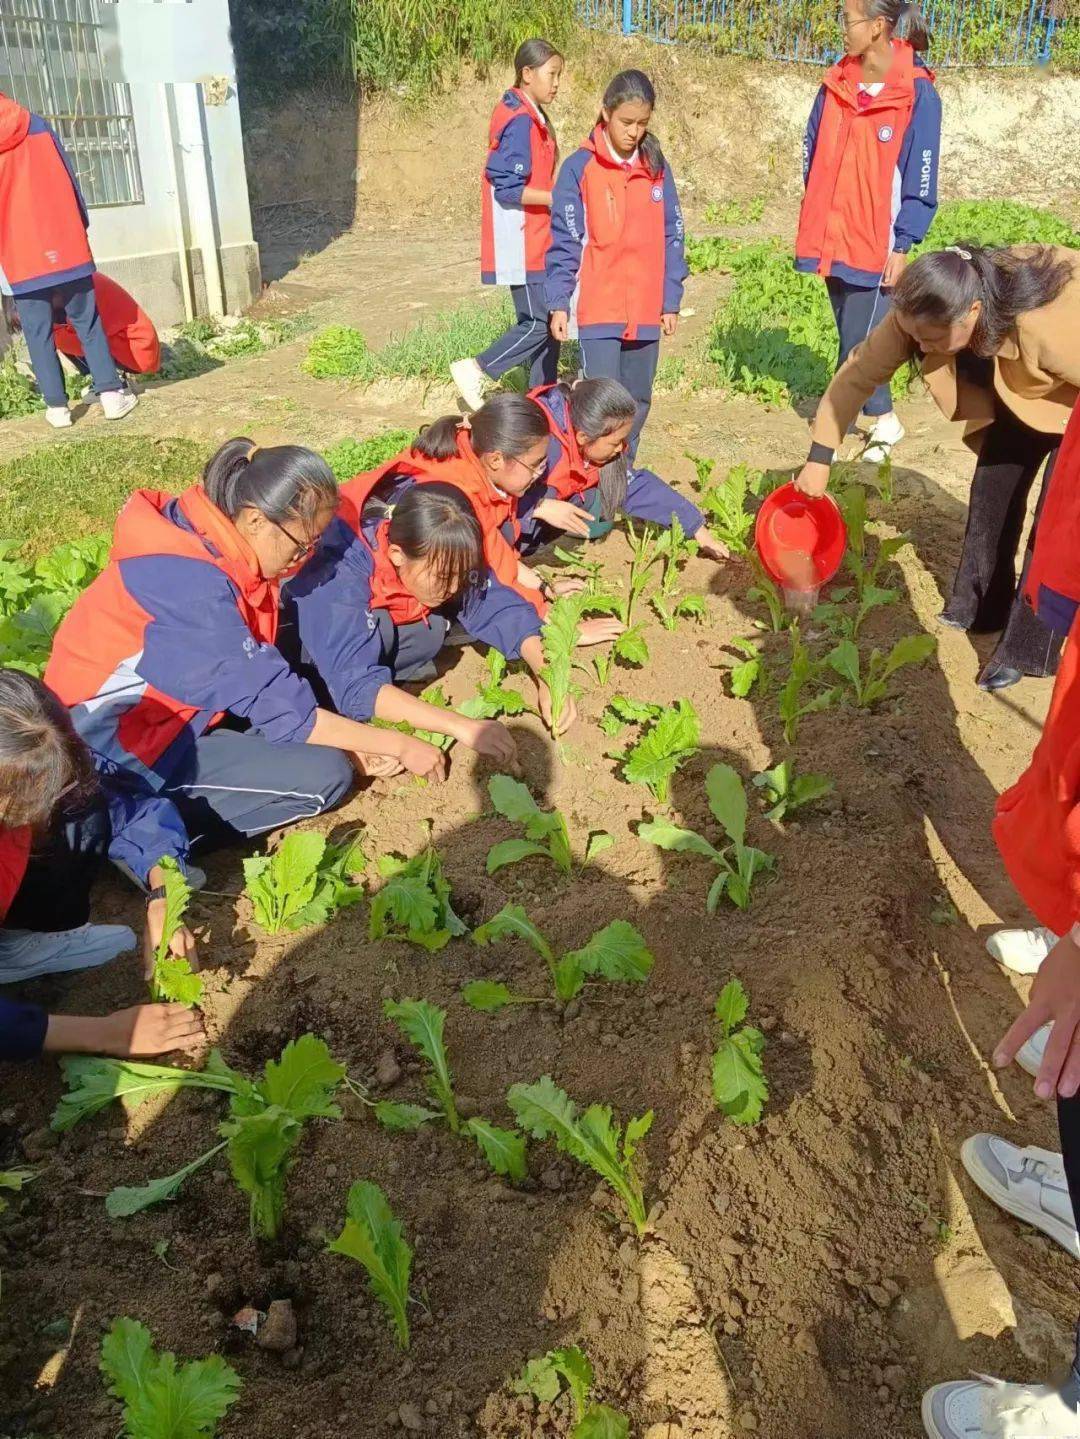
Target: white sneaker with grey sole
column 59, row 416
column 115, row 404
column 1027, row 1183
column 471, row 382
column 985, row 1408
column 1022, row 950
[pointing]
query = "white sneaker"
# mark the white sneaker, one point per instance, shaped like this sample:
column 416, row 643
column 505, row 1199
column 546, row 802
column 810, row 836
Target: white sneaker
column 887, row 432
column 59, row 416
column 1027, row 1183
column 115, row 404
column 472, row 384
column 1030, row 1054
column 1022, row 950
column 987, row 1408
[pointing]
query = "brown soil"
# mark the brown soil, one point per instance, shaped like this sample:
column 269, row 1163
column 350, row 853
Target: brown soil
column 806, row 1279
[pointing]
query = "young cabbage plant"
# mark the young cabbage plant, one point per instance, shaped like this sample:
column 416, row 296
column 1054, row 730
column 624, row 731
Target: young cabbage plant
column 617, row 953
column 559, row 636
column 725, row 506
column 864, row 570
column 739, row 1085
column 414, row 903
column 493, row 700
column 422, row 1024
column 434, row 695
column 376, row 1240
column 164, row 1399
column 673, row 549
column 739, row 864
column 668, row 740
column 543, row 1378
column 804, row 691
column 784, row 790
column 173, row 980
column 752, row 671
column 545, row 830
column 305, row 881
column 866, row 690
column 767, row 593
column 592, row 1137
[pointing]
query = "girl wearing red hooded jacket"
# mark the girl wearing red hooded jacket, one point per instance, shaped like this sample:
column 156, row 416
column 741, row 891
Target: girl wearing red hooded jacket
column 169, row 660
column 516, row 223
column 870, row 161
column 1037, row 829
column 616, row 261
column 45, row 260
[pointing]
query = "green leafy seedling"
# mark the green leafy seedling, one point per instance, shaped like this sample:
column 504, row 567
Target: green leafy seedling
column 739, row 864
column 784, row 790
column 543, row 1379
column 414, row 903
column 592, row 1137
column 376, row 1240
column 865, row 571
column 669, row 740
column 304, row 882
column 870, row 689
column 173, row 979
column 804, row 692
column 751, row 672
column 725, row 506
column 163, row 1399
column 545, row 830
column 616, row 953
column 493, row 700
column 740, row 1088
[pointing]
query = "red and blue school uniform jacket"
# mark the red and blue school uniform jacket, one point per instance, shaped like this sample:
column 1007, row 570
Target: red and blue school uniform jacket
column 616, row 262
column 22, row 1026
column 521, row 151
column 335, row 596
column 1052, row 586
column 570, row 476
column 178, row 630
column 43, row 220
column 133, row 341
column 870, row 166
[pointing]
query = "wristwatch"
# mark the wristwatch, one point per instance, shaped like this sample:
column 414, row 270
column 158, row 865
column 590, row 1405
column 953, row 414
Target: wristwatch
column 152, row 894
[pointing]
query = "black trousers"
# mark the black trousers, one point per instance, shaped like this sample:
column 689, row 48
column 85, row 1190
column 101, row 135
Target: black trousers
column 55, row 891
column 985, row 596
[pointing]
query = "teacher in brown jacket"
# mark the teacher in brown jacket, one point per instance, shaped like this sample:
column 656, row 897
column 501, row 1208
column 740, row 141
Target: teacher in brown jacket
column 996, row 336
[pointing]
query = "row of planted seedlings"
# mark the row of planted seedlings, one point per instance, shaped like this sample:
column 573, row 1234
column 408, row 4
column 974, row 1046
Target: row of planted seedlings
column 307, row 880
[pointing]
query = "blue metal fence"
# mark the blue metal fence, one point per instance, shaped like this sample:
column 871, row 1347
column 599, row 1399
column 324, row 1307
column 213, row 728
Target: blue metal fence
column 965, row 32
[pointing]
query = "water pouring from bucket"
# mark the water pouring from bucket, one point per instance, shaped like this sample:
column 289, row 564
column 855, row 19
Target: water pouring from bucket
column 800, row 541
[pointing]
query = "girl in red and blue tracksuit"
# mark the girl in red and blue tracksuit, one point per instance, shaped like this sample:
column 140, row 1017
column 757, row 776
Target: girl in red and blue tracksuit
column 589, row 425
column 616, row 262
column 45, row 259
column 428, row 538
column 870, row 165
column 519, row 174
column 169, row 660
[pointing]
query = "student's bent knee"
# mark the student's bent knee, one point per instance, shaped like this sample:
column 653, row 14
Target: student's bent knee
column 331, row 778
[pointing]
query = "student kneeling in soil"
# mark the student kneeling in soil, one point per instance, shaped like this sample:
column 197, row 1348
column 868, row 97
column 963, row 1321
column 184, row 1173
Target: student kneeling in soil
column 587, row 480
column 169, row 664
column 59, row 821
column 996, row 335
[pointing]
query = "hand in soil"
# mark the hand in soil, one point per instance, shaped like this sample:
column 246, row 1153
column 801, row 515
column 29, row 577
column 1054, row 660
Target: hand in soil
column 711, row 548
column 149, row 1029
column 182, row 944
column 424, row 760
column 600, row 631
column 564, row 516
column 1055, row 999
column 494, row 741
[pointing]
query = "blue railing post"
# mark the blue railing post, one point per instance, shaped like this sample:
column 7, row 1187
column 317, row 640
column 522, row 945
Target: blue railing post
column 627, row 17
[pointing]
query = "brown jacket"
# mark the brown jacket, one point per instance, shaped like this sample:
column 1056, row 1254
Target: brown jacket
column 1036, row 372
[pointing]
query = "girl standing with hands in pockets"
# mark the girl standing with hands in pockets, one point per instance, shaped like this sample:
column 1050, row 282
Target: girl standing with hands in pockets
column 516, row 224
column 617, row 246
column 870, row 161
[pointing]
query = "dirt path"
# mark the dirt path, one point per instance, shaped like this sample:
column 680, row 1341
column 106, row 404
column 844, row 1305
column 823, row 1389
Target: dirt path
column 806, row 1279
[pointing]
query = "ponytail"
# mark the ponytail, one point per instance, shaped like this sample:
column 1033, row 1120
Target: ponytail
column 282, row 482
column 905, row 20
column 943, row 285
column 508, row 422
column 635, row 85
column 598, row 407
column 434, row 522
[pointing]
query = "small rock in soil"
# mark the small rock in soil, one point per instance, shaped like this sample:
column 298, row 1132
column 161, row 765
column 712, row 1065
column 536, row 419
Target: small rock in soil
column 387, row 1069
column 881, row 1297
column 552, row 1179
column 411, row 1418
column 278, row 1333
column 39, row 1143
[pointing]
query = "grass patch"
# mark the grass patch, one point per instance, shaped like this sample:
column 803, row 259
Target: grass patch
column 206, row 343
column 774, row 337
column 423, row 352
column 69, row 489
column 352, row 457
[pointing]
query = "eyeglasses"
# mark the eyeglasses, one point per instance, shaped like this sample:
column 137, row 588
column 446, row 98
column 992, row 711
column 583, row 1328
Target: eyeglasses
column 302, row 548
column 535, row 470
column 862, row 20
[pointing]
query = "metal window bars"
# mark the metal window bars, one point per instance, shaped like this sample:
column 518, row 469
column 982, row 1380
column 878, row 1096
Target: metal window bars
column 964, row 32
column 51, row 62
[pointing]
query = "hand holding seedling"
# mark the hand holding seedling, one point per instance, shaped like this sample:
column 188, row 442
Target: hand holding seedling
column 181, row 945
column 813, row 479
column 141, row 1032
column 376, row 766
column 423, row 759
column 563, row 516
column 567, row 715
column 1055, row 1000
column 492, row 740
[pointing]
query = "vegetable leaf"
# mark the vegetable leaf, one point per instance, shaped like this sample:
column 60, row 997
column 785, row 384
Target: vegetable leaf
column 739, row 1085
column 600, row 1422
column 617, row 952
column 422, row 1023
column 414, row 904
column 282, row 884
column 375, row 1239
column 666, row 835
column 122, row 1202
column 512, row 922
column 303, row 1081
column 545, row 830
column 260, row 1153
column 173, row 978
column 598, row 842
column 93, row 1082
column 665, row 746
column 164, row 1400
column 727, row 800
column 486, row 996
column 403, row 1118
column 504, row 1149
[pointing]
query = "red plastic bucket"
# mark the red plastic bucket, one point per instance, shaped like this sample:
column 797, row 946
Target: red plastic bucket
column 801, row 542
